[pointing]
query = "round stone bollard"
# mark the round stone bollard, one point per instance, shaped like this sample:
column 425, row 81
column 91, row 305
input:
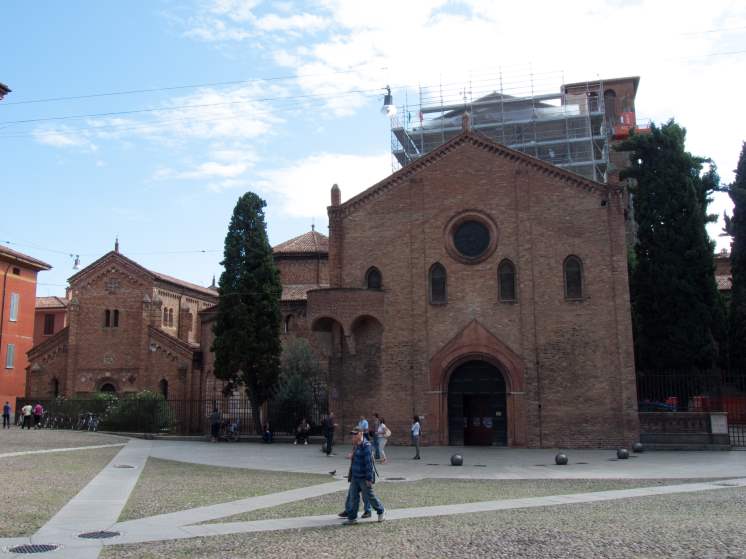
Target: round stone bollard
column 561, row 459
column 638, row 447
column 457, row 460
column 622, row 454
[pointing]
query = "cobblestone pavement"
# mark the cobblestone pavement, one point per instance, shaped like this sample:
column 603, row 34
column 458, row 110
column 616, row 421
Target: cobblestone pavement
column 647, row 521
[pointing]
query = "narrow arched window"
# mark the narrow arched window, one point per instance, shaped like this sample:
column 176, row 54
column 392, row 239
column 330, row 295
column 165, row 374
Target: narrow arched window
column 373, row 279
column 288, row 323
column 170, row 317
column 115, row 322
column 163, row 388
column 55, row 387
column 506, row 281
column 165, row 316
column 107, row 318
column 438, row 284
column 573, row 271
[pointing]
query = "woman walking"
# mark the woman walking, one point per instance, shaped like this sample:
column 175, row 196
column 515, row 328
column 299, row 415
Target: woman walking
column 382, row 435
column 416, row 430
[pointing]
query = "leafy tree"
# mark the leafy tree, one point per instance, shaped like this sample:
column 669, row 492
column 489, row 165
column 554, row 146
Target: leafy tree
column 735, row 226
column 675, row 304
column 247, row 327
column 300, row 378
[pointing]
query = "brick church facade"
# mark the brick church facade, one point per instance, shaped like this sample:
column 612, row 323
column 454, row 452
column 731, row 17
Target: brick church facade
column 478, row 287
column 486, row 291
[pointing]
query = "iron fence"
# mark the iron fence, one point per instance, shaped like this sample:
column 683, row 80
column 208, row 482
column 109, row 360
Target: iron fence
column 702, row 391
column 181, row 417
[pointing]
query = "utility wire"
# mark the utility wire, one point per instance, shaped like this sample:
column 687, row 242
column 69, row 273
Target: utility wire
column 352, row 69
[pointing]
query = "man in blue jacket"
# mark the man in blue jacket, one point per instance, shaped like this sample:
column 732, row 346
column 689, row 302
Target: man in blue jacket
column 362, row 477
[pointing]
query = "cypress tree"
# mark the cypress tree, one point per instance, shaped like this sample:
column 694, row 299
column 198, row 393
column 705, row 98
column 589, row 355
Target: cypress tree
column 735, row 226
column 675, row 310
column 247, row 329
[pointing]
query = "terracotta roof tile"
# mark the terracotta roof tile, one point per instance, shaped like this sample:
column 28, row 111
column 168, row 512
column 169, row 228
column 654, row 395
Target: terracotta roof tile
column 22, row 259
column 312, row 242
column 51, row 302
column 176, row 281
column 298, row 292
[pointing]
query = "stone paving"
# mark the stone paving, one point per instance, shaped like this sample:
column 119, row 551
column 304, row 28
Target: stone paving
column 98, row 505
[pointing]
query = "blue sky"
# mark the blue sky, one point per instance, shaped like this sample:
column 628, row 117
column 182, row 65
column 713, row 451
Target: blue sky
column 283, row 98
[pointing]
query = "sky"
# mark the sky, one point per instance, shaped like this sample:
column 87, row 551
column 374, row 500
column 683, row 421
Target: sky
column 147, row 119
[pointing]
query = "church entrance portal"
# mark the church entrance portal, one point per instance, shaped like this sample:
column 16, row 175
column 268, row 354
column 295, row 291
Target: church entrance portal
column 477, row 411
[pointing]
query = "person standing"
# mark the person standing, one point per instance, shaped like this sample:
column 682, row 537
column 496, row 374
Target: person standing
column 215, row 419
column 416, row 432
column 362, row 477
column 328, row 426
column 38, row 412
column 26, row 413
column 382, row 435
column 301, row 433
column 6, row 415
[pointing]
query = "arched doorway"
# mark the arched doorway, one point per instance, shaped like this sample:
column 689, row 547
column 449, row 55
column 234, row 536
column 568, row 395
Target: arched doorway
column 477, row 409
column 108, row 387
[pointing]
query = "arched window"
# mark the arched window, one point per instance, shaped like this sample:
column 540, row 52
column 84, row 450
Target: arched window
column 55, row 387
column 165, row 316
column 163, row 388
column 288, row 324
column 506, row 281
column 573, row 271
column 108, row 387
column 170, row 317
column 373, row 279
column 115, row 322
column 107, row 318
column 437, row 288
column 610, row 108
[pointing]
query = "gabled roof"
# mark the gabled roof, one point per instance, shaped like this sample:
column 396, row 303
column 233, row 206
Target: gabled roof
column 51, row 302
column 154, row 275
column 469, row 137
column 23, row 259
column 298, row 292
column 312, row 242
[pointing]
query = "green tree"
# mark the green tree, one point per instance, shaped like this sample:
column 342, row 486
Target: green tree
column 300, row 379
column 247, row 327
column 735, row 226
column 677, row 319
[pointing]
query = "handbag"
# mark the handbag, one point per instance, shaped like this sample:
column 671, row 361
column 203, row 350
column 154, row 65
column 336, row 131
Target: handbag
column 387, row 433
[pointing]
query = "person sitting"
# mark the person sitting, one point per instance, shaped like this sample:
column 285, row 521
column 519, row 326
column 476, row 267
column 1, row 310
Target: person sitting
column 267, row 435
column 302, row 432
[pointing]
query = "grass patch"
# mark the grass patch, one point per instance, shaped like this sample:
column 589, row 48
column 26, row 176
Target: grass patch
column 433, row 492
column 35, row 487
column 17, row 440
column 169, row 486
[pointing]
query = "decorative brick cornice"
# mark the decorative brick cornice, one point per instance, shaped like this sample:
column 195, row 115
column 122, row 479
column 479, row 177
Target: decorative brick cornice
column 478, row 140
column 39, row 350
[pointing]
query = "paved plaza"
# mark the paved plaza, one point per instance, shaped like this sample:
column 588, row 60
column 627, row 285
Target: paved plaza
column 650, row 503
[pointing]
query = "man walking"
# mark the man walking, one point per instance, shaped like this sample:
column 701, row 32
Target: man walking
column 363, row 426
column 26, row 413
column 361, row 477
column 6, row 415
column 328, row 426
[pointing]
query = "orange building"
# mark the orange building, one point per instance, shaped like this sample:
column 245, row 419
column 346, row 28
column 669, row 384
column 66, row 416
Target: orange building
column 17, row 307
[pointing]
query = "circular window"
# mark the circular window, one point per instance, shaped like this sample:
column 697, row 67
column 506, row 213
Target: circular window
column 471, row 238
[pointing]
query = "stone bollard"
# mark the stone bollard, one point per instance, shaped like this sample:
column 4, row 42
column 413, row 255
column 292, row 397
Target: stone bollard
column 638, row 447
column 622, row 454
column 457, row 460
column 561, row 459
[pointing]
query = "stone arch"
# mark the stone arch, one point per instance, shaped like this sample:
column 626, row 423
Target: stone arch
column 366, row 331
column 107, row 385
column 476, row 343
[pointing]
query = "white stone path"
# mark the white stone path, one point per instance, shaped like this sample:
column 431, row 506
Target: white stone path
column 99, row 504
column 51, row 450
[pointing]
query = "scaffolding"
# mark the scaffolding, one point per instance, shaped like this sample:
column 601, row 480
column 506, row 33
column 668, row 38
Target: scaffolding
column 571, row 128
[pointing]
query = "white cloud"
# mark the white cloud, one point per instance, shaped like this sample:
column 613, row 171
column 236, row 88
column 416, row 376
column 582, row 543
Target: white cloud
column 223, row 164
column 305, row 185
column 63, row 137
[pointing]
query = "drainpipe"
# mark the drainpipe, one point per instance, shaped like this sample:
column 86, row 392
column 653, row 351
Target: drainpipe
column 2, row 306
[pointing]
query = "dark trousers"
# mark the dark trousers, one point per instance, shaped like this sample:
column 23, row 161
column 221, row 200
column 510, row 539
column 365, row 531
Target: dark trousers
column 329, row 442
column 26, row 422
column 6, row 421
column 357, row 487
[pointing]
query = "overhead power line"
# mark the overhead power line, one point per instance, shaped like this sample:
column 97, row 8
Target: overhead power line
column 352, row 69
